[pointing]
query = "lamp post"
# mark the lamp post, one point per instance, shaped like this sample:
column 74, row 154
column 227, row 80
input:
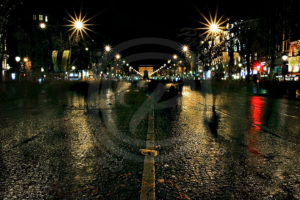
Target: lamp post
column 284, row 57
column 107, row 48
column 18, row 59
column 78, row 27
column 185, row 48
column 118, row 56
column 186, row 51
column 285, row 66
column 43, row 25
column 175, row 57
column 24, row 63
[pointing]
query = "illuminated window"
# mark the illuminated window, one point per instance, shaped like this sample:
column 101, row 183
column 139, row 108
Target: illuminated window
column 34, row 17
column 290, row 68
column 46, row 18
column 41, row 17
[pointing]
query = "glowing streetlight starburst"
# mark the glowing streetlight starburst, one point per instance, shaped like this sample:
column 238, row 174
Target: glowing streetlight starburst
column 118, row 56
column 107, row 48
column 78, row 26
column 185, row 48
column 213, row 26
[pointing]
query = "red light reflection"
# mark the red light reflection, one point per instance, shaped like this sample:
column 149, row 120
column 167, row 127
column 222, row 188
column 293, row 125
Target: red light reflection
column 257, row 105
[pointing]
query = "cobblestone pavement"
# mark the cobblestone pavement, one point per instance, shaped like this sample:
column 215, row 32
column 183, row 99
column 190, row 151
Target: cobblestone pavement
column 56, row 146
column 228, row 146
column 58, row 143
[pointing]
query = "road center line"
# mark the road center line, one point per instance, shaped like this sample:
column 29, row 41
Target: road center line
column 148, row 183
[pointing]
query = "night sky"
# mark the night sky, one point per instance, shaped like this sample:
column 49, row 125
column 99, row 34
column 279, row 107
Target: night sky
column 118, row 21
column 121, row 20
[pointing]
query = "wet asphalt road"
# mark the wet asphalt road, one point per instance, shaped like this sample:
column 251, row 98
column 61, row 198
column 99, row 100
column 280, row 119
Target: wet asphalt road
column 57, row 143
column 229, row 145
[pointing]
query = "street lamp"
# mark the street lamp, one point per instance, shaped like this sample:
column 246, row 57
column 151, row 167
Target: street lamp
column 118, row 56
column 284, row 57
column 78, row 25
column 213, row 26
column 17, row 58
column 25, row 59
column 73, row 68
column 285, row 66
column 42, row 25
column 175, row 57
column 107, row 48
column 185, row 48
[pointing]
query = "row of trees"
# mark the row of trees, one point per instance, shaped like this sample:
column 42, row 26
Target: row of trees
column 38, row 44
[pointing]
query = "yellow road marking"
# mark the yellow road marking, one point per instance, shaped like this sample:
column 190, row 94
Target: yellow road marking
column 148, row 183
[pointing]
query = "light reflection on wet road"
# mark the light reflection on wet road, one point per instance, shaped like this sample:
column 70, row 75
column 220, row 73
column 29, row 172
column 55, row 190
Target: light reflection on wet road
column 212, row 145
column 57, row 144
column 231, row 146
